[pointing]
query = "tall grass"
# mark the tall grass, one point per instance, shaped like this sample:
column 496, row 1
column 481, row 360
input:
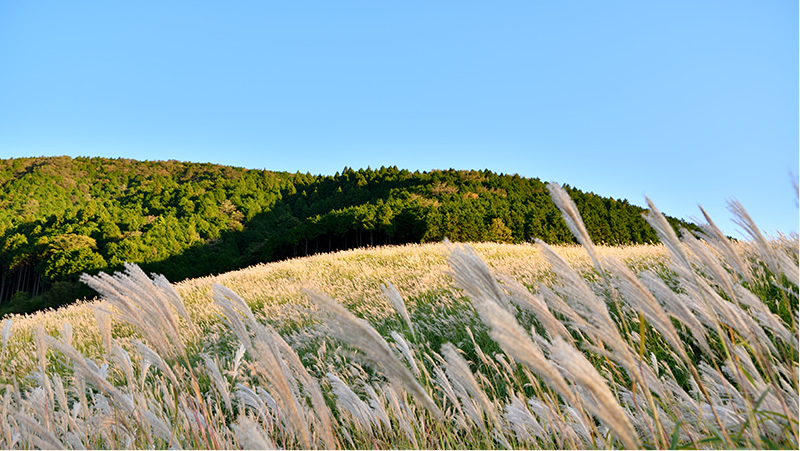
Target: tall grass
column 690, row 344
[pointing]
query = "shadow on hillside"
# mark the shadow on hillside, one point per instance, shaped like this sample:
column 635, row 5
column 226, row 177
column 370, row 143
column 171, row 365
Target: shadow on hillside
column 285, row 231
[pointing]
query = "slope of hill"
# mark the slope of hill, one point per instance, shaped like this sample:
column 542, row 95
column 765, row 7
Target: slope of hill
column 60, row 217
column 513, row 346
column 274, row 290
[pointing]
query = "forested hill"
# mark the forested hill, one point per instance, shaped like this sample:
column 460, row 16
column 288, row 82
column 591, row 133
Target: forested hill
column 60, row 217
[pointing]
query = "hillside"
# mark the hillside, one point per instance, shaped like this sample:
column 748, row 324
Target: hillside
column 419, row 271
column 60, row 217
column 424, row 346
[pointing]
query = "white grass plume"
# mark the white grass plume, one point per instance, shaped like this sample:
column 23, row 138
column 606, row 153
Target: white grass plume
column 6, row 334
column 716, row 238
column 458, row 371
column 351, row 403
column 503, row 326
column 251, row 435
column 148, row 305
column 600, row 401
column 677, row 306
column 637, row 294
column 522, row 422
column 391, row 293
column 267, row 357
column 743, row 220
column 570, row 214
column 670, row 239
column 473, row 276
column 402, row 344
column 536, row 305
column 219, row 382
column 345, row 326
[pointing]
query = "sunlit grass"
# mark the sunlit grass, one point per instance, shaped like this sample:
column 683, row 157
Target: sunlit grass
column 689, row 344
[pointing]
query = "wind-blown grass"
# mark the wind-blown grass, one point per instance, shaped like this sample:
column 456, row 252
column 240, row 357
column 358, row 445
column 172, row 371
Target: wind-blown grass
column 693, row 343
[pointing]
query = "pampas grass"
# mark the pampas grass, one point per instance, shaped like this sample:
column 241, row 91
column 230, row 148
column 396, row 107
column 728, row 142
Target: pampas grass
column 693, row 343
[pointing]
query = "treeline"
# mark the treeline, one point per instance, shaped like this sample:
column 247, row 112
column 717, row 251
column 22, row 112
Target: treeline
column 60, row 217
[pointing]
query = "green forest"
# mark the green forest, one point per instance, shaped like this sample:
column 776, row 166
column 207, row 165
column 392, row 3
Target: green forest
column 62, row 216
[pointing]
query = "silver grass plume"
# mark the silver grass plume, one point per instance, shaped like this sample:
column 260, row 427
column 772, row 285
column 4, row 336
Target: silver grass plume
column 713, row 235
column 634, row 292
column 378, row 409
column 598, row 397
column 219, row 382
column 458, row 371
column 536, row 305
column 450, row 394
column 596, row 320
column 122, row 359
column 473, row 276
column 555, row 303
column 250, row 399
column 545, row 410
column 267, row 357
column 774, row 263
column 522, row 421
column 469, row 271
column 391, row 293
column 350, row 402
column 38, row 435
column 402, row 414
column 6, row 333
column 103, row 318
column 321, row 411
column 66, row 333
column 345, row 326
column 668, row 237
column 677, row 307
column 237, row 361
column 159, row 427
column 152, row 358
column 269, row 348
column 755, row 384
column 712, row 269
column 764, row 316
column 251, row 435
column 148, row 305
column 570, row 214
column 402, row 344
column 88, row 370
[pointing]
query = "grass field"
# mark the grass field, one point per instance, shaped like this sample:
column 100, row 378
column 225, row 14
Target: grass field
column 693, row 343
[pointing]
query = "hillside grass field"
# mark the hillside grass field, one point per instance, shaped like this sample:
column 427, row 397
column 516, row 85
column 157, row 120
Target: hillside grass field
column 692, row 343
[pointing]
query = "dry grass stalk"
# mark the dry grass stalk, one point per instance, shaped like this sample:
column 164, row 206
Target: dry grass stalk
column 536, row 305
column 148, row 305
column 599, row 400
column 458, row 371
column 635, row 292
column 350, row 402
column 251, row 435
column 391, row 293
column 345, row 326
column 503, row 327
column 678, row 308
column 569, row 212
column 268, row 360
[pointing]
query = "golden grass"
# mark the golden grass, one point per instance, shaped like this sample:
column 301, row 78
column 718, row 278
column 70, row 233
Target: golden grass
column 353, row 277
column 480, row 346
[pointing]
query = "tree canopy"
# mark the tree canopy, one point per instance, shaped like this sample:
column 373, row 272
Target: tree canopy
column 60, row 217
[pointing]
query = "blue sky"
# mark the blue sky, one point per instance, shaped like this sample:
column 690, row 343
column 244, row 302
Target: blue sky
column 689, row 103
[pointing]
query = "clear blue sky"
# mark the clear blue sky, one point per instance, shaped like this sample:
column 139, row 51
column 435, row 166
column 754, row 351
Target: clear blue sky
column 688, row 102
